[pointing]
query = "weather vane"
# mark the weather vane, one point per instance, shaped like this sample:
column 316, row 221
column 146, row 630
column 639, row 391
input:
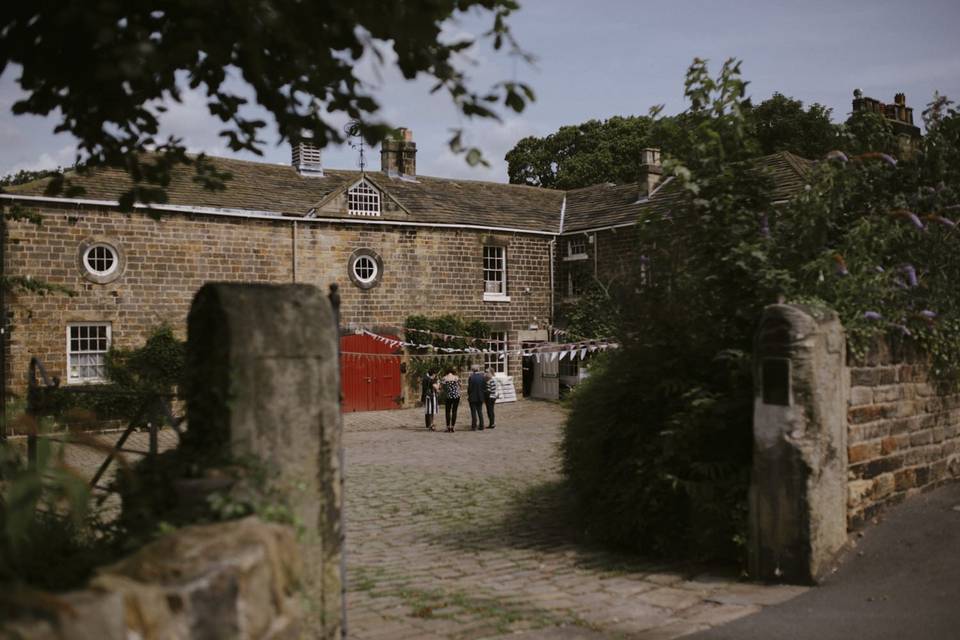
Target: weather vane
column 353, row 131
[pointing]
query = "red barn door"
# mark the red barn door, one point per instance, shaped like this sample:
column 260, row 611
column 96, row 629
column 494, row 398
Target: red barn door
column 369, row 383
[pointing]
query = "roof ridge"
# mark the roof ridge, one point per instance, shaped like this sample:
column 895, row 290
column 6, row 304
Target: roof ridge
column 798, row 163
column 598, row 185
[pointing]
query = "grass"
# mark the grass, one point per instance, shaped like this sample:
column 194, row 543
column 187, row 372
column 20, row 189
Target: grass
column 459, row 606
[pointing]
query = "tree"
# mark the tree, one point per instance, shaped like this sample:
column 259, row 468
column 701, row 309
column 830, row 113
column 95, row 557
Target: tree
column 597, row 151
column 782, row 124
column 580, row 155
column 108, row 68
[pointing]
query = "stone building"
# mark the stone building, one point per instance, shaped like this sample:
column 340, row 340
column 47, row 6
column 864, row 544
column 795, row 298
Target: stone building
column 398, row 244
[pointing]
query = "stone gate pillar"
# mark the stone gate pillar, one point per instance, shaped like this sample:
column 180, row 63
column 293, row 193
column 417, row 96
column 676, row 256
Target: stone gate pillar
column 263, row 378
column 799, row 482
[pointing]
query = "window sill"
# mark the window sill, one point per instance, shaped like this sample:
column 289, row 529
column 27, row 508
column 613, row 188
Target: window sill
column 575, row 257
column 495, row 297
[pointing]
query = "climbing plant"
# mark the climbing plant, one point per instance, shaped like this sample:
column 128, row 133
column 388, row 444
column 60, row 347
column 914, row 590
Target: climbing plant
column 470, row 333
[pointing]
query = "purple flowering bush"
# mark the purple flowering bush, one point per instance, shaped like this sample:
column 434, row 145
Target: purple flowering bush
column 657, row 448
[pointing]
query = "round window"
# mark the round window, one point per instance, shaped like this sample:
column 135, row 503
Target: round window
column 101, row 260
column 365, row 268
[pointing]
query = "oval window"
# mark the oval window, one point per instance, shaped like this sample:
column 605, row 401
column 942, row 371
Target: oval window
column 365, row 269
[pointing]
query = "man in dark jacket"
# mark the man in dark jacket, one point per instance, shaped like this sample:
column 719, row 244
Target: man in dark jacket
column 476, row 385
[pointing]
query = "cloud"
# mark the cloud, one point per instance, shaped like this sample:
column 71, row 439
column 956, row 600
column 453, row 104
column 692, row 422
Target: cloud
column 62, row 157
column 495, row 139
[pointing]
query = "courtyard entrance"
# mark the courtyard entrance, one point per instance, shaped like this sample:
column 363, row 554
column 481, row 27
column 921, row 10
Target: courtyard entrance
column 464, row 536
column 370, row 374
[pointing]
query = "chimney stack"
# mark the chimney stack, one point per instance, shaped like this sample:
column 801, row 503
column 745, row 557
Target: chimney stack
column 305, row 158
column 398, row 154
column 898, row 114
column 650, row 171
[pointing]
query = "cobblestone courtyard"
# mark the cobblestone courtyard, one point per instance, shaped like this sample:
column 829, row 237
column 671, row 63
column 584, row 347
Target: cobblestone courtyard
column 461, row 536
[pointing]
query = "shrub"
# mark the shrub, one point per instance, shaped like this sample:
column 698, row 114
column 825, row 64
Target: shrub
column 658, row 444
column 135, row 376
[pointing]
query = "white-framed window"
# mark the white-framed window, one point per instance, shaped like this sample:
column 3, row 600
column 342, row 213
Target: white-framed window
column 495, row 273
column 365, row 269
column 576, row 248
column 496, row 357
column 570, row 367
column 87, row 347
column 100, row 259
column 363, row 200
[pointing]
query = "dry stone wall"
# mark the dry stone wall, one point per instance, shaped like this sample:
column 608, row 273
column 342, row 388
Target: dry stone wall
column 229, row 580
column 427, row 271
column 904, row 432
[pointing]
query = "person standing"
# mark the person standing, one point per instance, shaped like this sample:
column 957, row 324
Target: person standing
column 429, row 386
column 490, row 394
column 451, row 389
column 475, row 392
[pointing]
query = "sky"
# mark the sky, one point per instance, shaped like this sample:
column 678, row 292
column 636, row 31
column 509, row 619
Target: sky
column 604, row 58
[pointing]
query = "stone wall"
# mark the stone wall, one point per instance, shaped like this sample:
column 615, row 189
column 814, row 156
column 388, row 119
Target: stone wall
column 904, row 432
column 426, row 271
column 611, row 257
column 235, row 579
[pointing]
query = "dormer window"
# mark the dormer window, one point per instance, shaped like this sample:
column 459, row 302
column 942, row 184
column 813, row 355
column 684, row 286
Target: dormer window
column 363, row 200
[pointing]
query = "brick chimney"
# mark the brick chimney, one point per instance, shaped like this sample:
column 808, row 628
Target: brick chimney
column 398, row 154
column 305, row 158
column 650, row 171
column 898, row 114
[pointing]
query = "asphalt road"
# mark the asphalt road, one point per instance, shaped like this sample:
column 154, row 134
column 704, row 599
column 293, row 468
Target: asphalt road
column 901, row 581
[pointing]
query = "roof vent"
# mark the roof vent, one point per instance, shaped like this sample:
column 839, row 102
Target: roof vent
column 306, row 159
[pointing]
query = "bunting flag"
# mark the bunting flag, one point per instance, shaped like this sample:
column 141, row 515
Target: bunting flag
column 446, row 337
column 553, row 352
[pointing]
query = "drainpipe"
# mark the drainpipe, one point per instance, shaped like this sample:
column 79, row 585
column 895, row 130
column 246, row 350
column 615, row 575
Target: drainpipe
column 3, row 325
column 293, row 240
column 596, row 252
column 553, row 243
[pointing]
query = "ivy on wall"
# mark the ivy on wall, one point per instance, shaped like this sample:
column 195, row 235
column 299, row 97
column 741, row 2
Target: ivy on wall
column 473, row 333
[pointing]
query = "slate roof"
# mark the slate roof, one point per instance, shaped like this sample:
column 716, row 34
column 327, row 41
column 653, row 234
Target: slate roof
column 607, row 205
column 279, row 189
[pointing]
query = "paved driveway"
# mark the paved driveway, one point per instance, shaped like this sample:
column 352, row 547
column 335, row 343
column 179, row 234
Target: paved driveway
column 900, row 581
column 461, row 536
